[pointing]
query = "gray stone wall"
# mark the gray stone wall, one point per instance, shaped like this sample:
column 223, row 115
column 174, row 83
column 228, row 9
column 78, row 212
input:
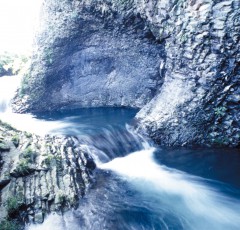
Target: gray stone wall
column 91, row 54
column 199, row 100
column 178, row 58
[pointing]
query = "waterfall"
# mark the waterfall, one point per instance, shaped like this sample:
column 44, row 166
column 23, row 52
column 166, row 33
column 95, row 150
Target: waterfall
column 8, row 87
column 113, row 142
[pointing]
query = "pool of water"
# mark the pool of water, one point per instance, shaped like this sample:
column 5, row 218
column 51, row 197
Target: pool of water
column 141, row 186
column 138, row 186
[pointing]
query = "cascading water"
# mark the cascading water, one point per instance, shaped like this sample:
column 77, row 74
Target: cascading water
column 8, row 86
column 133, row 190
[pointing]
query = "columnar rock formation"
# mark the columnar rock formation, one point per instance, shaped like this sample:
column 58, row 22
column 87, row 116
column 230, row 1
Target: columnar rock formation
column 178, row 58
column 199, row 100
column 40, row 175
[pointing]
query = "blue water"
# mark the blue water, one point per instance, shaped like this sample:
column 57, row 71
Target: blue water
column 138, row 185
column 141, row 186
column 89, row 121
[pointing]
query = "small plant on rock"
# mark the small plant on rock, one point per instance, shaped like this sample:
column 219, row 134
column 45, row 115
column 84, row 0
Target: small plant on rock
column 28, row 135
column 220, row 111
column 30, row 155
column 12, row 205
column 15, row 140
column 7, row 126
column 23, row 167
column 47, row 161
column 4, row 146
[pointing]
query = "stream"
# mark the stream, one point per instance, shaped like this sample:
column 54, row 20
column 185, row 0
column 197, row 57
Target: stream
column 138, row 185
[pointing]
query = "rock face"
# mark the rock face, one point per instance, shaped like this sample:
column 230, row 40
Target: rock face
column 91, row 53
column 118, row 53
column 40, row 175
column 199, row 102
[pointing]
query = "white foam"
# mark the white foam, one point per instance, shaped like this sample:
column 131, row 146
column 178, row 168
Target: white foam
column 186, row 195
column 8, row 87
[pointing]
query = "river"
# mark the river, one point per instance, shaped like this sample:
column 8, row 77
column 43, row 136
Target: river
column 139, row 185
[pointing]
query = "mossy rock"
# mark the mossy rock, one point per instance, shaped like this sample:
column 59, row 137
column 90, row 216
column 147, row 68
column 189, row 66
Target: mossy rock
column 13, row 205
column 15, row 140
column 9, row 225
column 22, row 169
column 4, row 147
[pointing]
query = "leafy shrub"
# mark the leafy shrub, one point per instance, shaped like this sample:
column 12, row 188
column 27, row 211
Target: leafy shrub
column 28, row 135
column 47, row 161
column 61, row 197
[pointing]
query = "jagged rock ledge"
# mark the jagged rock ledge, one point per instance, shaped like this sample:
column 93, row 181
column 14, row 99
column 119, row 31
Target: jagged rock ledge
column 39, row 175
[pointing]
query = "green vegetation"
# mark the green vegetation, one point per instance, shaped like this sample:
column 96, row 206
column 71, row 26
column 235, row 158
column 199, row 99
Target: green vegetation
column 24, row 84
column 28, row 135
column 4, row 146
column 11, row 64
column 23, row 167
column 47, row 161
column 9, row 225
column 30, row 155
column 12, row 205
column 221, row 141
column 7, row 126
column 16, row 140
column 48, row 56
column 220, row 111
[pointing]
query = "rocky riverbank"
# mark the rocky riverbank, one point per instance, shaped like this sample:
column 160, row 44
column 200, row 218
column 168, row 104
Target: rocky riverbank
column 177, row 60
column 39, row 175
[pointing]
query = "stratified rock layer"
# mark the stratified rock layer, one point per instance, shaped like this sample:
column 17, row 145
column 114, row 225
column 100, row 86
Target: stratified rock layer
column 41, row 175
column 118, row 53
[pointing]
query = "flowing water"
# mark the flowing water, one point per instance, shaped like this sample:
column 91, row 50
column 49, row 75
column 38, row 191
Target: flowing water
column 138, row 185
column 8, row 86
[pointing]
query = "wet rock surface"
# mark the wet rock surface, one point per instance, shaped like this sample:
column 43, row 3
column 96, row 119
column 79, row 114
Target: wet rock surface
column 183, row 54
column 91, row 54
column 198, row 103
column 40, row 175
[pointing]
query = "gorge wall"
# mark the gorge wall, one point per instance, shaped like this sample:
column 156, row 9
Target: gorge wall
column 39, row 175
column 177, row 60
column 93, row 53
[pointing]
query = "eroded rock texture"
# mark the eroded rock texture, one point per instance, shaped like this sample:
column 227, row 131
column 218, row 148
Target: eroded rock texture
column 199, row 102
column 40, row 175
column 93, row 53
column 116, row 52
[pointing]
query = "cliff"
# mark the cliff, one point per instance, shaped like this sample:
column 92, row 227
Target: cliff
column 198, row 103
column 177, row 60
column 40, row 175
